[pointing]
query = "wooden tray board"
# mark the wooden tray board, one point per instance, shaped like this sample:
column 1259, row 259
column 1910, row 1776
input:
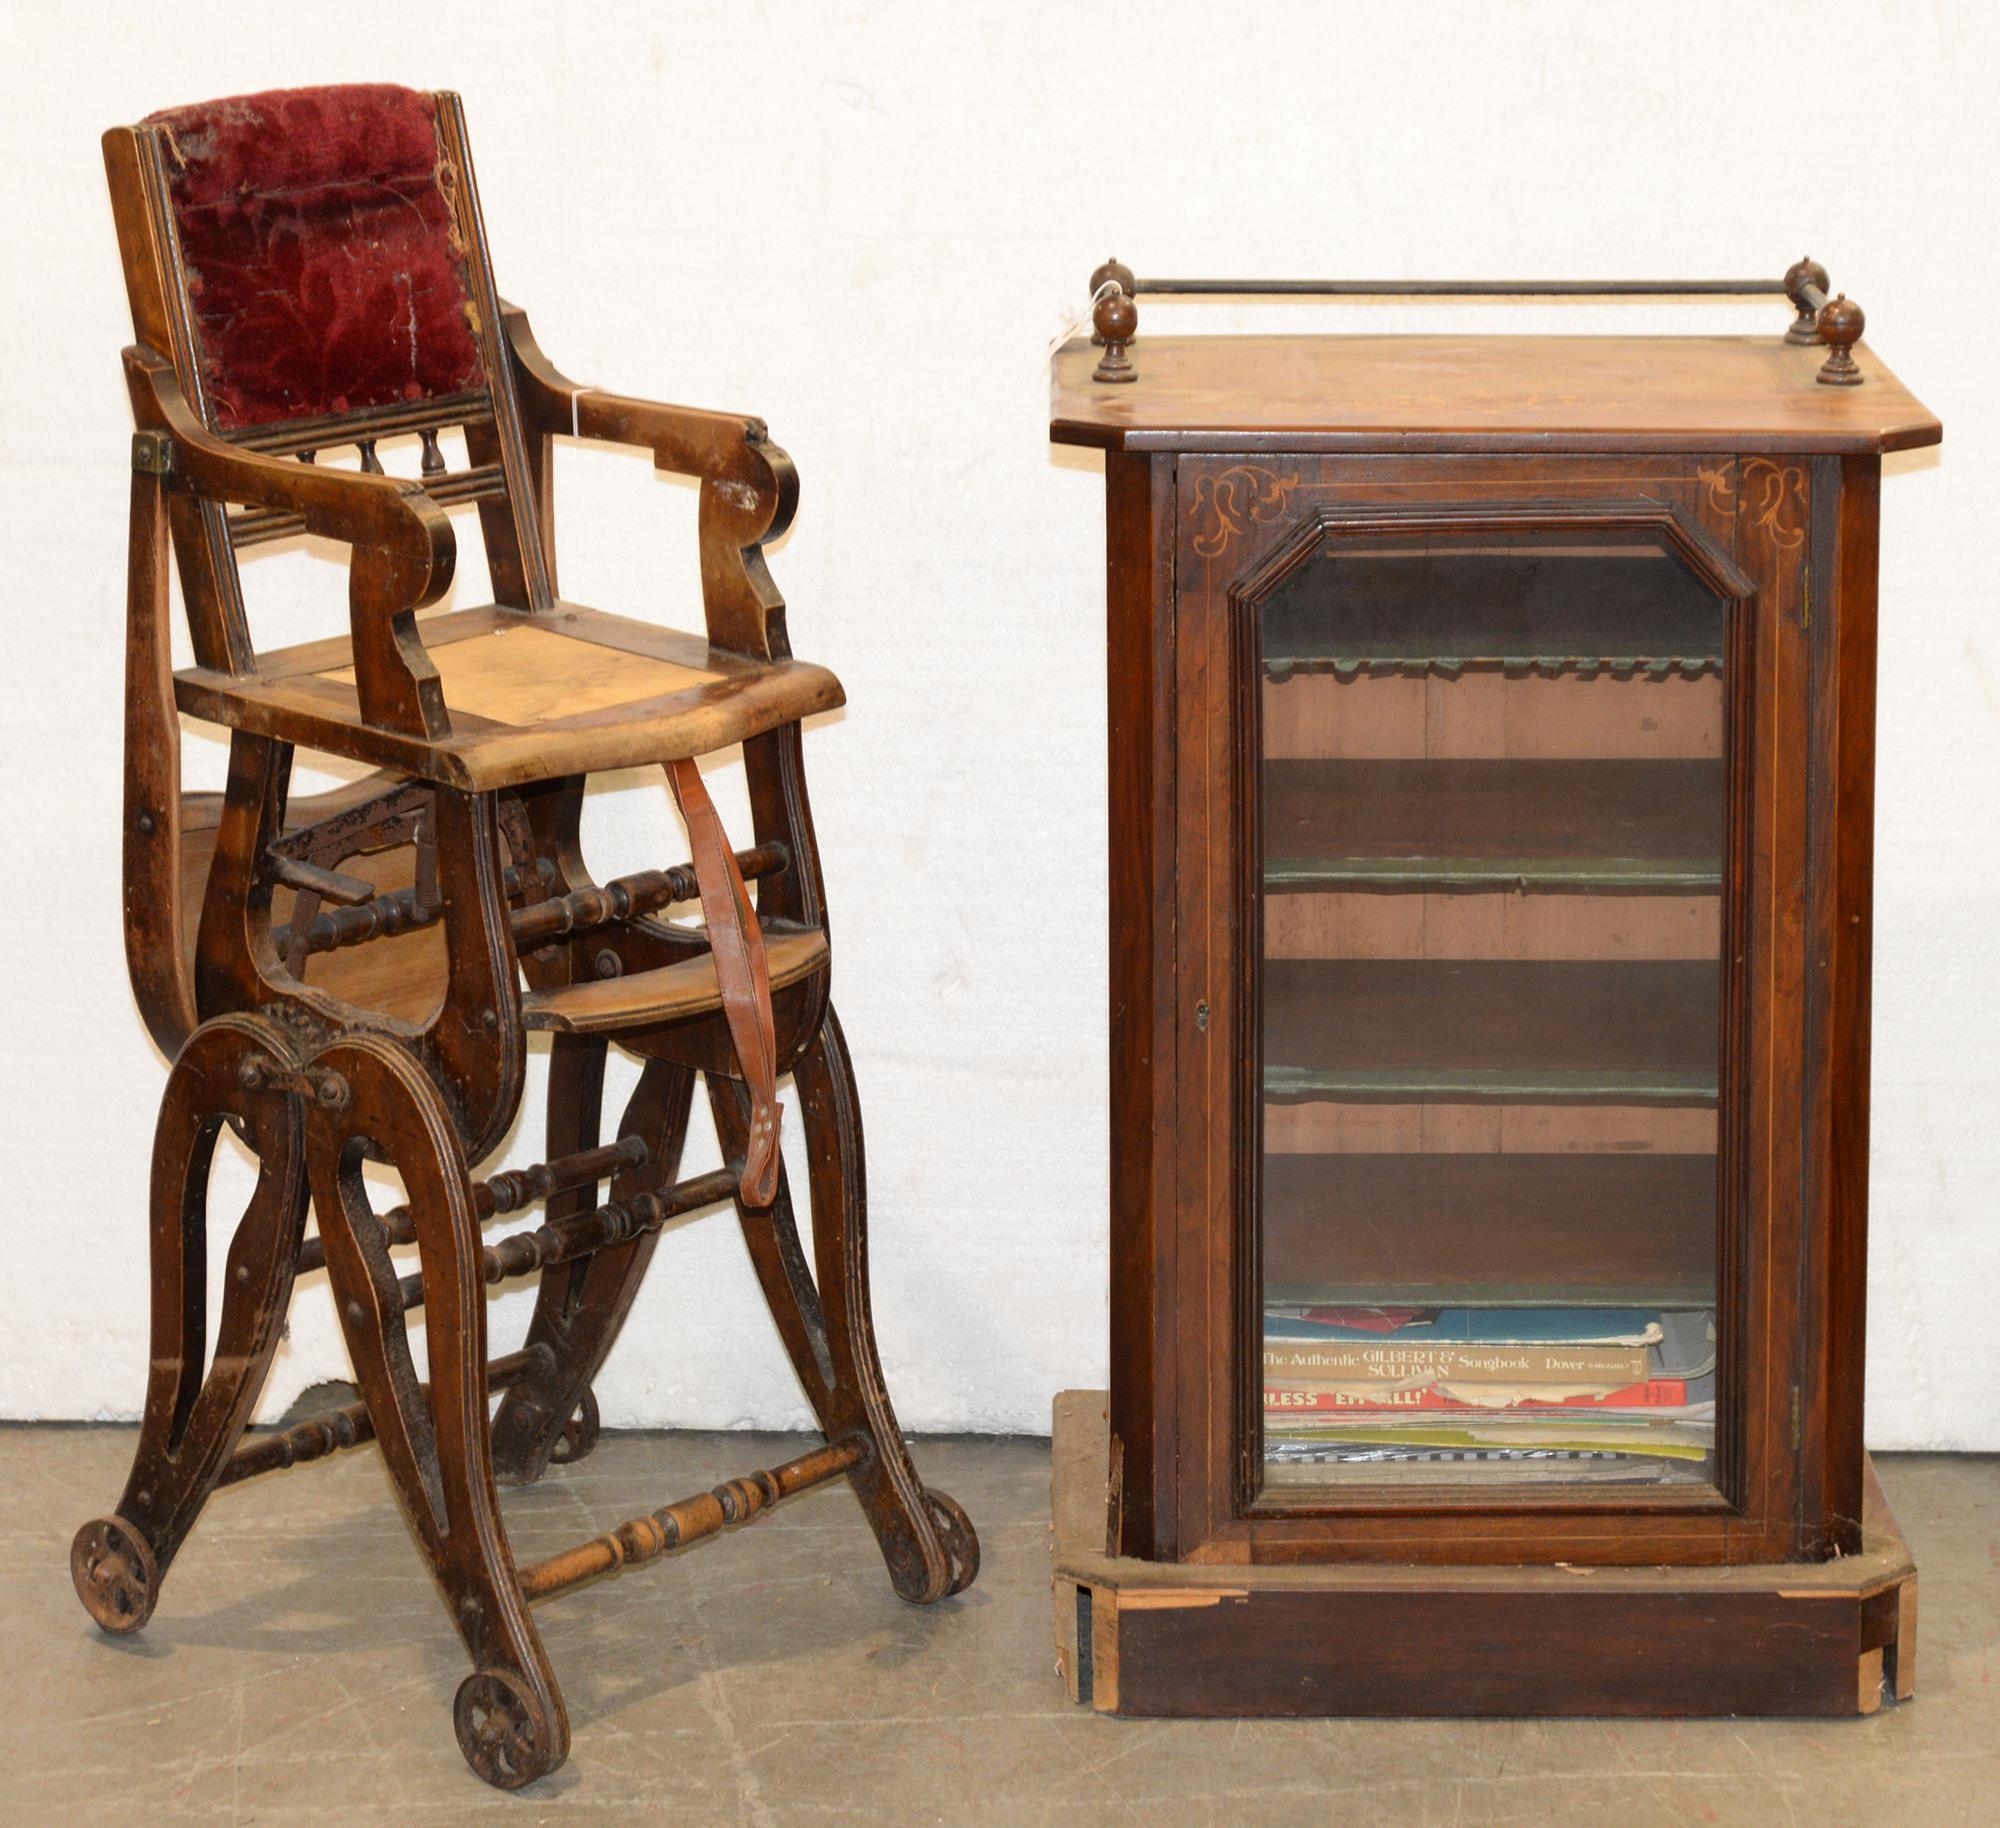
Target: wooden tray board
column 1479, row 393
column 1146, row 1638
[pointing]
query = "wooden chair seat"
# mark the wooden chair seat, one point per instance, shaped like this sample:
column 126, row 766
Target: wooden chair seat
column 531, row 695
column 669, row 993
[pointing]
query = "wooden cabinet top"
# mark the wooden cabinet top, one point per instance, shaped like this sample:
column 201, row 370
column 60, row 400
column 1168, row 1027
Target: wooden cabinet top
column 1481, row 393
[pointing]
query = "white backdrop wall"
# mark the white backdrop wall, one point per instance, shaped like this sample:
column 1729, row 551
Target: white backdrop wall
column 866, row 223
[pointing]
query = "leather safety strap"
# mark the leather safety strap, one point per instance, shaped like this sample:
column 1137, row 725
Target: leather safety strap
column 742, row 974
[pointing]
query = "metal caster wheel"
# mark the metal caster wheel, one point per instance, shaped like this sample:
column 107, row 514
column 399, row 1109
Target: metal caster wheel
column 961, row 1541
column 579, row 1433
column 502, row 1729
column 115, row 1573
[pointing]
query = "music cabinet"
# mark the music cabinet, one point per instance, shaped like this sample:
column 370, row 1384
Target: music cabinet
column 1491, row 813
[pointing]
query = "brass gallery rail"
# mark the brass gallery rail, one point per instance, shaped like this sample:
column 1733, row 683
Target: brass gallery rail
column 1822, row 316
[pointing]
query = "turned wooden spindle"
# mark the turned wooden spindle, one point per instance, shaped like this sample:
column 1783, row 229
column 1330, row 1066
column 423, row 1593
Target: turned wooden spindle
column 1840, row 325
column 514, row 1188
column 601, row 1228
column 506, row 1192
column 1114, row 268
column 1798, row 276
column 352, row 1426
column 1117, row 321
column 675, row 1526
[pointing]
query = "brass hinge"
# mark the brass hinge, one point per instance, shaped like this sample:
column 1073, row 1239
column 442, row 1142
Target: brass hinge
column 152, row 453
column 1805, row 612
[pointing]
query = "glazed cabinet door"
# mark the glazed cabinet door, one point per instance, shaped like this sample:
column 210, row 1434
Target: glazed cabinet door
column 1489, row 861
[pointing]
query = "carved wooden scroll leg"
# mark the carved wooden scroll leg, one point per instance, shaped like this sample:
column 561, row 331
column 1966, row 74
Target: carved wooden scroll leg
column 927, row 1540
column 511, row 1722
column 196, row 1412
column 583, row 1303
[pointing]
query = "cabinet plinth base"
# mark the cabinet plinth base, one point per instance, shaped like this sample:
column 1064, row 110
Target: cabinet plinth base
column 1152, row 1638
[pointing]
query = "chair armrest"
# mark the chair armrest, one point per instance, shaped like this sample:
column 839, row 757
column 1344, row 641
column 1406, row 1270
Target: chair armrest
column 404, row 549
column 749, row 489
column 351, row 506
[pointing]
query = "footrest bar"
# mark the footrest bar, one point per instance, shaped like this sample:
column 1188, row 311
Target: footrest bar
column 628, row 897
column 509, row 1191
column 619, row 1222
column 646, row 1538
column 399, row 911
column 554, row 917
column 340, row 1429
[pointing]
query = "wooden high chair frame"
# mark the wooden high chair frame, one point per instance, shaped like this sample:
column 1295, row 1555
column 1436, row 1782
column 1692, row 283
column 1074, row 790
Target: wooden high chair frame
column 392, row 1024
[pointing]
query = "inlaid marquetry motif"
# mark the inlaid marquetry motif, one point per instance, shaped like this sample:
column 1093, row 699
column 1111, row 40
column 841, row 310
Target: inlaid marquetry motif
column 1230, row 500
column 1771, row 495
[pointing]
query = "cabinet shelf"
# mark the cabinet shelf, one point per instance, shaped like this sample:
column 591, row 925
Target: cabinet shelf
column 1344, row 663
column 1474, row 1085
column 1619, row 612
column 1605, row 827
column 1486, row 1031
column 1490, row 1230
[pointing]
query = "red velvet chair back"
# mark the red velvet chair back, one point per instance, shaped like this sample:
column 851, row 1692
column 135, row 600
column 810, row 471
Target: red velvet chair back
column 313, row 265
column 323, row 263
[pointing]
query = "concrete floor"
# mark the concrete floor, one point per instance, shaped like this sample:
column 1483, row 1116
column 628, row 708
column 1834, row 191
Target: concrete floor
column 299, row 1670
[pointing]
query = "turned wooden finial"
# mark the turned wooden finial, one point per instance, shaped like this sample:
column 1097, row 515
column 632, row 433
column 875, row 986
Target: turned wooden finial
column 1117, row 320
column 1840, row 324
column 1114, row 268
column 1799, row 275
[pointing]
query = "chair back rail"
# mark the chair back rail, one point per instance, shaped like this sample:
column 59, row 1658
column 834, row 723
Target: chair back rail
column 426, row 420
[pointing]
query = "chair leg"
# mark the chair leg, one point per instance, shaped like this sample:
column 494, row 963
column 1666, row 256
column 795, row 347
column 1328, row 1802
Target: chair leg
column 927, row 1540
column 582, row 1305
column 229, row 1071
column 509, row 1713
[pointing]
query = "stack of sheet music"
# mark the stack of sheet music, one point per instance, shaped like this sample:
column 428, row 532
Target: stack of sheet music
column 1530, row 1392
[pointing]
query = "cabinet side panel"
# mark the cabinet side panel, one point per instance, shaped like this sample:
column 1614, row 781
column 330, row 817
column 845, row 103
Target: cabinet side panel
column 1140, row 679
column 1841, row 834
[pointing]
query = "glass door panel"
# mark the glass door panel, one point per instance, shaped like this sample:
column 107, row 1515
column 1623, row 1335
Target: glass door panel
column 1491, row 799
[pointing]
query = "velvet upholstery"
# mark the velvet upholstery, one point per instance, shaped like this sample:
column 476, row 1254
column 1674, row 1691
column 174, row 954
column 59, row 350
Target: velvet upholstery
column 324, row 265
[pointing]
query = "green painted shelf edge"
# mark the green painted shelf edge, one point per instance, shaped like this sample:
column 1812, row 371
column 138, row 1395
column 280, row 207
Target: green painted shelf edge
column 1480, row 1085
column 1350, row 660
column 1414, row 1292
column 1498, row 875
